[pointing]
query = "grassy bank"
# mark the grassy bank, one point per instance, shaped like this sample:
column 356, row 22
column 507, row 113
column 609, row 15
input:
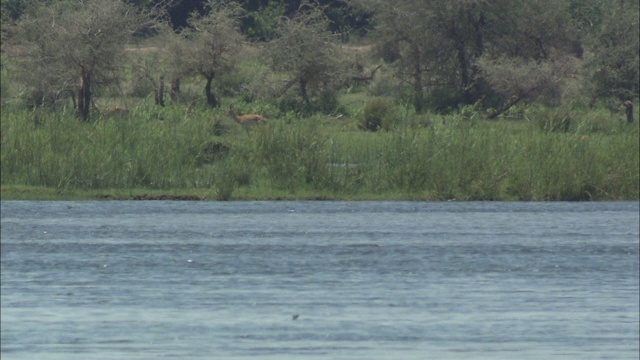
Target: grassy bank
column 196, row 153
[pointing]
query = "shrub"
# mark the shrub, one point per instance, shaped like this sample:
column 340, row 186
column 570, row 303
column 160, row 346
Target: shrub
column 378, row 114
column 443, row 101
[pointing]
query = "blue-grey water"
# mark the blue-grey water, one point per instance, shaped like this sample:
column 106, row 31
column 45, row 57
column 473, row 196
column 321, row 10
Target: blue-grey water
column 367, row 280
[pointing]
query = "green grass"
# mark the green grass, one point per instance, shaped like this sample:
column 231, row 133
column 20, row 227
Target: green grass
column 184, row 152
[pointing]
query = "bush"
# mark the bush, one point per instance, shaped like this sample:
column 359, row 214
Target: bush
column 328, row 102
column 443, row 101
column 378, row 114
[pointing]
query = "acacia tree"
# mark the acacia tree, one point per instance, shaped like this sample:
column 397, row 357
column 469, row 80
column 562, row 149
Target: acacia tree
column 402, row 28
column 74, row 47
column 516, row 79
column 533, row 55
column 433, row 45
column 436, row 45
column 153, row 66
column 308, row 53
column 615, row 65
column 211, row 43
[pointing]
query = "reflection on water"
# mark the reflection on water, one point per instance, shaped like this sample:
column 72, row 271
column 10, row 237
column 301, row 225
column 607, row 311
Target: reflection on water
column 375, row 280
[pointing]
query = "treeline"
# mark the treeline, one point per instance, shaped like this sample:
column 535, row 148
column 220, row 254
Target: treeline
column 259, row 13
column 436, row 55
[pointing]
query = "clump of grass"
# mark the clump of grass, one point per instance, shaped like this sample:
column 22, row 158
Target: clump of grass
column 291, row 154
column 553, row 119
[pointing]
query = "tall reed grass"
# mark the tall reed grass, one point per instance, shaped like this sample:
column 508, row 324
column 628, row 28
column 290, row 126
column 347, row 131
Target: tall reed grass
column 460, row 158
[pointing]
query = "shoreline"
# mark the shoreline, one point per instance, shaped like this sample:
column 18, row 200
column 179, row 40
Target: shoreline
column 37, row 193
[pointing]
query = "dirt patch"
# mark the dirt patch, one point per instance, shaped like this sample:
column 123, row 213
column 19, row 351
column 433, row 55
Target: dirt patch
column 357, row 49
column 148, row 49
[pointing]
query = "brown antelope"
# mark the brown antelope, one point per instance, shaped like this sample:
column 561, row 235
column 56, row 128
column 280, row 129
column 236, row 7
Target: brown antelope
column 247, row 119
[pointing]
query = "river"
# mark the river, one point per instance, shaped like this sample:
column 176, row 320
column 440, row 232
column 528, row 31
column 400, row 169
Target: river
column 319, row 280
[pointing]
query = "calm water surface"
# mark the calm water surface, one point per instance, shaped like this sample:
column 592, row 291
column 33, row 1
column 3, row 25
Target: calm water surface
column 368, row 280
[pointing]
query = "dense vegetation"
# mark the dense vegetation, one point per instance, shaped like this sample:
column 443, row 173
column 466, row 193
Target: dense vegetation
column 513, row 100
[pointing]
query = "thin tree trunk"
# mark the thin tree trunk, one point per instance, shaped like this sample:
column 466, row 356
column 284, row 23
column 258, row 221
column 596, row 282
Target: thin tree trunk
column 628, row 105
column 418, row 92
column 72, row 94
column 175, row 89
column 160, row 92
column 84, row 94
column 211, row 99
column 464, row 72
column 478, row 27
column 303, row 92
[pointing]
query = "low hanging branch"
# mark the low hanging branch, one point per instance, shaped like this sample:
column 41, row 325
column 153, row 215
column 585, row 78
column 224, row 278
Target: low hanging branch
column 508, row 105
column 526, row 79
column 366, row 79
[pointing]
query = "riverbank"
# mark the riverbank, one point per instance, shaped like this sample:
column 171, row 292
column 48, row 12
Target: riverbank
column 20, row 192
column 206, row 156
column 33, row 193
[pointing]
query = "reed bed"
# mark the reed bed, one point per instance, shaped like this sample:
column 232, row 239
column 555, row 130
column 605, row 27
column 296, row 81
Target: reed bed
column 427, row 158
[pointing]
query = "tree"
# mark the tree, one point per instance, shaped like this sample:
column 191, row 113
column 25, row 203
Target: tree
column 532, row 56
column 74, row 47
column 152, row 66
column 307, row 52
column 402, row 28
column 435, row 45
column 614, row 67
column 211, row 43
column 517, row 79
column 261, row 23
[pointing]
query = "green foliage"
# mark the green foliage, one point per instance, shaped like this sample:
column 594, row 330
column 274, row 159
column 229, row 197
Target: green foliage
column 292, row 154
column 325, row 103
column 554, row 119
column 458, row 156
column 545, row 144
column 307, row 53
column 210, row 45
column 443, row 101
column 60, row 152
column 261, row 24
column 378, row 114
column 66, row 45
column 231, row 173
column 615, row 68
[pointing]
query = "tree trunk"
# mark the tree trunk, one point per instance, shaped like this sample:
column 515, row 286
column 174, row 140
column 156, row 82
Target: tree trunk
column 628, row 105
column 175, row 89
column 478, row 27
column 72, row 94
column 160, row 92
column 418, row 92
column 211, row 99
column 303, row 92
column 84, row 94
column 464, row 72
